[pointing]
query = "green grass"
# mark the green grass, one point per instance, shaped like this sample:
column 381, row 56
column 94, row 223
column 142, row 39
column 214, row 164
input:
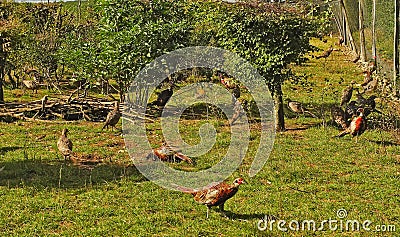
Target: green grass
column 309, row 175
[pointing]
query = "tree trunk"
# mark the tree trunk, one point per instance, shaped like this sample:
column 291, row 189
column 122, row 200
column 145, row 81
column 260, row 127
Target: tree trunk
column 278, row 108
column 363, row 55
column 396, row 48
column 3, row 56
column 1, row 90
column 121, row 90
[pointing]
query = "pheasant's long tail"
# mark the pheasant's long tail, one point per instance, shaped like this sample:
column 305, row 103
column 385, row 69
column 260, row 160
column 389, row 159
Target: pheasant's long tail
column 342, row 134
column 343, row 124
column 308, row 112
column 186, row 190
column 183, row 157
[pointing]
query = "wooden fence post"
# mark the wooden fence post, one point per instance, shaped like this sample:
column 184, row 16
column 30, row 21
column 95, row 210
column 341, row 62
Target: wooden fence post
column 363, row 55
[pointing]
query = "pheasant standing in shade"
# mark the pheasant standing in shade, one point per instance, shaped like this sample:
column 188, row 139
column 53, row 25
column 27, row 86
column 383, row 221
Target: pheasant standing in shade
column 346, row 94
column 238, row 110
column 338, row 115
column 64, row 145
column 370, row 106
column 357, row 126
column 351, row 110
column 167, row 153
column 326, row 53
column 163, row 97
column 298, row 108
column 113, row 117
column 216, row 195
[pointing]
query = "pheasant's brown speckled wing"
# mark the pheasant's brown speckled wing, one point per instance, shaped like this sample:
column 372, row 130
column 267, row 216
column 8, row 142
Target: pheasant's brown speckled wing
column 215, row 195
column 161, row 153
column 64, row 145
column 113, row 117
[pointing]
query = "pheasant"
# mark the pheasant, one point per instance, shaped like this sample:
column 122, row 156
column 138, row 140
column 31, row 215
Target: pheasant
column 371, row 66
column 163, row 97
column 326, row 53
column 360, row 99
column 298, row 108
column 229, row 84
column 355, row 58
column 113, row 117
column 167, row 153
column 215, row 195
column 338, row 115
column 340, row 41
column 357, row 126
column 64, row 145
column 367, row 78
column 370, row 105
column 30, row 85
column 351, row 110
column 237, row 112
column 346, row 94
column 235, row 94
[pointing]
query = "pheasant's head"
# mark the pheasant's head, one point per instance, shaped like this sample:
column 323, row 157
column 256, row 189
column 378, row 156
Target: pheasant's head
column 65, row 131
column 238, row 182
column 361, row 111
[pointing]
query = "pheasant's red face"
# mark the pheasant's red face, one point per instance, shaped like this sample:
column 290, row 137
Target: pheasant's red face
column 239, row 180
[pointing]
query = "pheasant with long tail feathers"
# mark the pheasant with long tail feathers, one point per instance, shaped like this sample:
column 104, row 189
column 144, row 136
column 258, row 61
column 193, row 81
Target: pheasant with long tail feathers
column 357, row 126
column 215, row 195
column 167, row 153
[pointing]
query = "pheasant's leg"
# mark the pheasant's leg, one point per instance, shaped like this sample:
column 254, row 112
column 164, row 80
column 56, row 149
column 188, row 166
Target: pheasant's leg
column 221, row 209
column 208, row 210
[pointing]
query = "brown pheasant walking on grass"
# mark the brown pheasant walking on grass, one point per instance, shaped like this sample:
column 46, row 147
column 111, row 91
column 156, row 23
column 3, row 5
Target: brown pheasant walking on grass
column 167, row 153
column 113, row 117
column 64, row 145
column 215, row 195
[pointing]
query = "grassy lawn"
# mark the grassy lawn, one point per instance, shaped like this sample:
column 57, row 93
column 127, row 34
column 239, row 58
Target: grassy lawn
column 308, row 176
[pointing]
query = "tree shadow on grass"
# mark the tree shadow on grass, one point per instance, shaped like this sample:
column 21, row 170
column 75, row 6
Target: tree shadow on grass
column 4, row 150
column 384, row 143
column 60, row 174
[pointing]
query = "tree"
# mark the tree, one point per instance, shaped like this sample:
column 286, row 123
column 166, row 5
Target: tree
column 9, row 26
column 270, row 36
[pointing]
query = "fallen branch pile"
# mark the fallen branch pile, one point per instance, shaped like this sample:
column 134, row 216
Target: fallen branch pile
column 68, row 109
column 89, row 109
